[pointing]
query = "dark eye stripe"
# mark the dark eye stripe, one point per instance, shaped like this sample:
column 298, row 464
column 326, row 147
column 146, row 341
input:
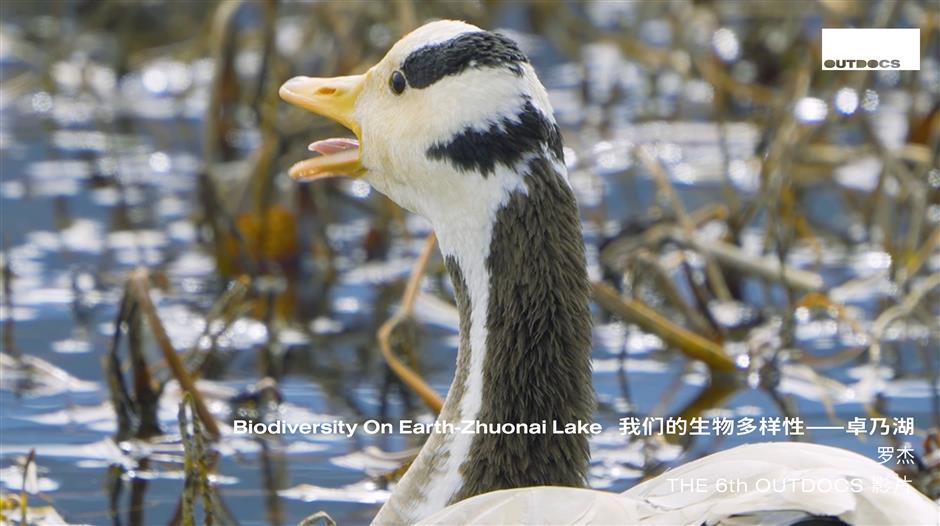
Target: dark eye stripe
column 480, row 49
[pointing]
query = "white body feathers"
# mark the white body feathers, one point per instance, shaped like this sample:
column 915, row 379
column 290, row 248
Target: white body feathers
column 776, row 483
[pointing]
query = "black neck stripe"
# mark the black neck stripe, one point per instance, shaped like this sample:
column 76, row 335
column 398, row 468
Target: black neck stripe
column 538, row 342
column 504, row 142
column 479, row 49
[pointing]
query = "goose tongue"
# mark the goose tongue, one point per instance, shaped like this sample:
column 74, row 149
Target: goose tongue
column 328, row 146
column 337, row 157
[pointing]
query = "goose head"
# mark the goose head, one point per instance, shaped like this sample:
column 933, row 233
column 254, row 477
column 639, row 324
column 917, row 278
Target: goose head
column 448, row 99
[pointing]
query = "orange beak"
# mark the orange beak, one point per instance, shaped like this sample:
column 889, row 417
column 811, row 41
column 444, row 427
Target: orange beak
column 335, row 99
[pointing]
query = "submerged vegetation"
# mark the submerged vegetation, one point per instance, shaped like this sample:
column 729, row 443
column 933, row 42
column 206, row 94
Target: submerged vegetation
column 763, row 239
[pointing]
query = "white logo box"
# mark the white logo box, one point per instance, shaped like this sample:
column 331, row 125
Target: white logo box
column 897, row 49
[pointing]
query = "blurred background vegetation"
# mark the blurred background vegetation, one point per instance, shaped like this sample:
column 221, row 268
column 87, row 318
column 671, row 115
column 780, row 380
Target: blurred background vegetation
column 763, row 236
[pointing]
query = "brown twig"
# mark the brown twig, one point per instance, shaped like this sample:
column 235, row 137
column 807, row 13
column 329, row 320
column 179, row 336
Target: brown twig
column 120, row 396
column 29, row 466
column 765, row 267
column 899, row 311
column 310, row 520
column 668, row 288
column 140, row 287
column 228, row 307
column 918, row 258
column 405, row 373
column 196, row 466
column 618, row 253
column 821, row 301
column 635, row 311
column 146, row 390
column 715, row 279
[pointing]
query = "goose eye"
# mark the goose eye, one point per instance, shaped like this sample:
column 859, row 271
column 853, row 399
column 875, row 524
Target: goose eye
column 397, row 82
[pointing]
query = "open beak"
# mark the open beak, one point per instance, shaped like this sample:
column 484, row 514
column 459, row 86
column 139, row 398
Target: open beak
column 334, row 99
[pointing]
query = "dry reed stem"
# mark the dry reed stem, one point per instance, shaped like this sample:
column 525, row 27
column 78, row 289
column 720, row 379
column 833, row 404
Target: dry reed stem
column 313, row 519
column 140, row 287
column 405, row 373
column 120, row 396
column 715, row 279
column 234, row 294
column 719, row 77
column 818, row 300
column 188, row 495
column 635, row 311
column 672, row 294
column 765, row 267
column 219, row 33
column 899, row 311
column 917, row 260
column 28, row 465
column 618, row 253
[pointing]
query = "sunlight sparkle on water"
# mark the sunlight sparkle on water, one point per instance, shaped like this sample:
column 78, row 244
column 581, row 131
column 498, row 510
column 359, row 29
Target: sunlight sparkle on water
column 41, row 102
column 159, row 162
column 726, row 44
column 870, row 100
column 846, row 101
column 360, row 189
column 811, row 110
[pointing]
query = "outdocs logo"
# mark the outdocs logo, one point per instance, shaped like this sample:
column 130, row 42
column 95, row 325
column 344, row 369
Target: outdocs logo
column 871, row 49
